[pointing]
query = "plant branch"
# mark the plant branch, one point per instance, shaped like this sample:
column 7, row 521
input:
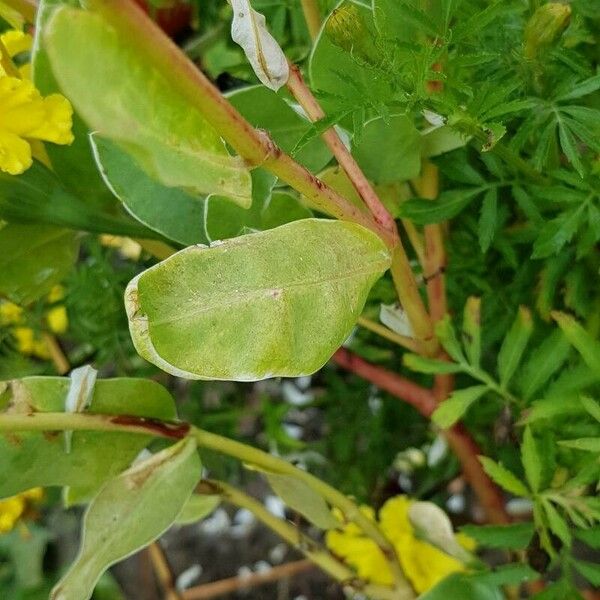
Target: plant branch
column 318, row 555
column 253, row 145
column 459, row 439
column 312, row 16
column 46, row 421
column 238, row 583
column 301, row 92
column 26, row 8
column 163, row 572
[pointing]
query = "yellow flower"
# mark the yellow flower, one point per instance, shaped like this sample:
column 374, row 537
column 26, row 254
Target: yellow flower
column 13, row 508
column 28, row 341
column 128, row 248
column 424, row 564
column 26, row 116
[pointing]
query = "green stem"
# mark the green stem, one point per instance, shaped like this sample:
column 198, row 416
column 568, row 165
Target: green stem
column 318, row 555
column 40, row 421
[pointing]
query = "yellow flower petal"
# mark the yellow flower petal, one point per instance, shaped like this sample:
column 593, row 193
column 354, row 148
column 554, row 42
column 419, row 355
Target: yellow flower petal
column 10, row 313
column 26, row 115
column 11, row 510
column 56, row 293
column 16, row 41
column 25, row 339
column 15, row 153
column 57, row 319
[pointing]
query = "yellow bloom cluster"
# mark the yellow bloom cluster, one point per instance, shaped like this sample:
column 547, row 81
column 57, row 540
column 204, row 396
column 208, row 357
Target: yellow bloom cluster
column 25, row 115
column 28, row 341
column 13, row 508
column 424, row 564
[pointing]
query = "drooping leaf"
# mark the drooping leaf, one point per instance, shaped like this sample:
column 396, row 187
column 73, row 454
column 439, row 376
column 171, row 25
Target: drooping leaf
column 172, row 212
column 249, row 30
column 141, row 96
column 275, row 303
column 587, row 444
column 503, row 477
column 303, row 499
column 514, row 345
column 591, row 406
column 131, row 510
column 556, row 522
column 446, row 333
column 33, row 459
column 453, row 409
column 33, row 258
column 590, row 570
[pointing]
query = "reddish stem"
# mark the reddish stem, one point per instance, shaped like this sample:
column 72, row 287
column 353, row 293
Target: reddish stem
column 459, row 439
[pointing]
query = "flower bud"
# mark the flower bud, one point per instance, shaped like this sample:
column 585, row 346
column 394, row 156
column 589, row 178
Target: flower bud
column 347, row 29
column 545, row 27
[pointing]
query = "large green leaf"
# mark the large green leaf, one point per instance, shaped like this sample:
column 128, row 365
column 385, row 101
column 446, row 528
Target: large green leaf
column 389, row 150
column 131, row 510
column 33, row 258
column 269, row 304
column 74, row 164
column 122, row 78
column 35, row 459
column 269, row 111
column 171, row 212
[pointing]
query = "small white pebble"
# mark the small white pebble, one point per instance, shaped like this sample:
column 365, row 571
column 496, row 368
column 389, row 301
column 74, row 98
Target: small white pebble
column 437, row 451
column 262, row 566
column 456, row 503
column 275, row 506
column 216, row 524
column 188, row 577
column 277, row 553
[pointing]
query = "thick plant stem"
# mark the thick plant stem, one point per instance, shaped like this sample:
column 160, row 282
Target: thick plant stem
column 319, row 556
column 411, row 301
column 308, row 102
column 459, row 439
column 435, row 253
column 46, row 421
column 252, row 145
column 312, row 16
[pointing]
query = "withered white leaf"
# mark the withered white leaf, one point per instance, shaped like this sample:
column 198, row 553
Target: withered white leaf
column 249, row 30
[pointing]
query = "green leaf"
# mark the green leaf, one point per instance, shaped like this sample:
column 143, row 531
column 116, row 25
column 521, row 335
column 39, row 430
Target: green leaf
column 447, row 336
column 503, row 477
column 514, row 345
column 33, row 459
column 591, row 406
column 488, row 219
column 37, row 196
column 586, row 444
column 590, row 537
column 157, row 117
column 531, row 460
column 74, row 163
column 471, row 331
column 269, row 304
column 131, row 510
column 459, row 402
column 267, row 110
column 440, row 140
column 512, row 537
column 591, row 571
column 446, row 206
column 511, row 574
column 33, row 258
column 26, row 552
column 303, row 499
column 556, row 523
column 197, row 508
column 588, row 347
column 421, row 364
column 543, row 363
column 172, row 212
column 557, row 232
column 389, row 150
column 550, row 408
column 461, row 586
